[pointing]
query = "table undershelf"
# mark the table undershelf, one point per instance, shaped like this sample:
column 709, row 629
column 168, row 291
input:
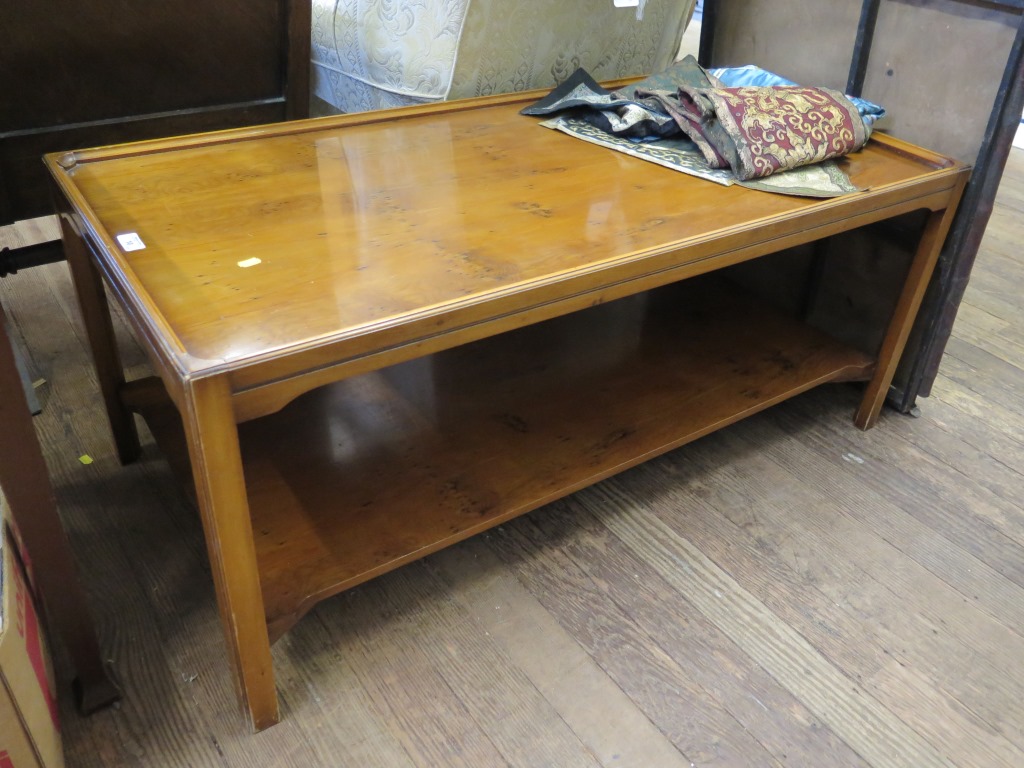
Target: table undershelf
column 357, row 478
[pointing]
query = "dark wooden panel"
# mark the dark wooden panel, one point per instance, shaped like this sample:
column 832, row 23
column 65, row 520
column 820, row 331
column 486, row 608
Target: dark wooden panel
column 861, row 272
column 295, row 37
column 809, row 41
column 944, row 70
column 965, row 239
column 70, row 61
column 79, row 74
column 942, row 101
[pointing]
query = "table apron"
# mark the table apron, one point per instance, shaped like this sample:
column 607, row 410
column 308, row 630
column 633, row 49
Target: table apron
column 265, row 387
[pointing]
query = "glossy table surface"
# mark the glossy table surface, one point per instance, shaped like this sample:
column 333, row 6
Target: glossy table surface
column 377, row 226
column 414, row 313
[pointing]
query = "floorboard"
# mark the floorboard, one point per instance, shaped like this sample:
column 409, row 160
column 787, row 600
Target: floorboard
column 788, row 591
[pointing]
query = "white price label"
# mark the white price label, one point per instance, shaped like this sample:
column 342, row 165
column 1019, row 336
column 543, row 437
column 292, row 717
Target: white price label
column 130, row 241
column 638, row 4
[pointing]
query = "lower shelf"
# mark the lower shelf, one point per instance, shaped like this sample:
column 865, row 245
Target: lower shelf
column 362, row 476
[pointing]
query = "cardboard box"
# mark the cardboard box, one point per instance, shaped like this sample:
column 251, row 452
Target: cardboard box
column 29, row 723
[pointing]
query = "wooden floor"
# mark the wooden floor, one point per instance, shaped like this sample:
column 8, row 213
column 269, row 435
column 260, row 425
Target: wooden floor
column 789, row 591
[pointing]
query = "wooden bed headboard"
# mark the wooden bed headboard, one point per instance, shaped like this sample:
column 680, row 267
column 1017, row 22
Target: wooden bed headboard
column 82, row 73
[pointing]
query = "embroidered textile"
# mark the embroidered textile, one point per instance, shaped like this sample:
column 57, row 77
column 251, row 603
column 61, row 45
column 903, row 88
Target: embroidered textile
column 749, row 74
column 824, row 179
column 758, row 131
column 686, row 119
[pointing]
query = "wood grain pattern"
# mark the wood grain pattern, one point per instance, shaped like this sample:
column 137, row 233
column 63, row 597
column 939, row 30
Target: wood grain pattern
column 858, row 718
column 617, row 731
column 427, row 454
column 931, row 511
column 708, row 658
column 220, row 490
column 376, row 235
column 141, row 549
column 269, row 263
column 464, row 664
column 167, row 589
column 942, row 618
column 636, row 661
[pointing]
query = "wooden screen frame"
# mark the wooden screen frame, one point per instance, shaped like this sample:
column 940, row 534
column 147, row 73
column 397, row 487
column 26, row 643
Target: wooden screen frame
column 949, row 282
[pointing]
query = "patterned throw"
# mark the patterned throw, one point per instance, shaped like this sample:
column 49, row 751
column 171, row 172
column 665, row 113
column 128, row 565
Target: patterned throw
column 819, row 180
column 758, row 131
column 751, row 74
column 772, row 138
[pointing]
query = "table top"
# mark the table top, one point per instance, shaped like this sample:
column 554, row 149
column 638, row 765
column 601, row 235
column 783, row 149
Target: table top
column 379, row 229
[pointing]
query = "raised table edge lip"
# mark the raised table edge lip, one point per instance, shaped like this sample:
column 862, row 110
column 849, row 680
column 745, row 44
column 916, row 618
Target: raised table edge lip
column 204, row 397
column 176, row 366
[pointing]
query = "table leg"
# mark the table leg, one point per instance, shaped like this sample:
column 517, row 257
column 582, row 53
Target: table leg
column 92, row 300
column 220, row 488
column 902, row 321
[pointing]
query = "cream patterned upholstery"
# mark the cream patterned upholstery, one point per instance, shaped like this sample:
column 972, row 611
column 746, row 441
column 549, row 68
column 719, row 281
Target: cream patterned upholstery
column 372, row 54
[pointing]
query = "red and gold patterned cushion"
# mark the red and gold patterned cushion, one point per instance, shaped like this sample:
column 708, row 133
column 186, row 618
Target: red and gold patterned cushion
column 760, row 130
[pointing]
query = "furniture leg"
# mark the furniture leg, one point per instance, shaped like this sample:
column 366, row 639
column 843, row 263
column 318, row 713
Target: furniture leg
column 27, row 487
column 92, row 300
column 220, row 489
column 909, row 301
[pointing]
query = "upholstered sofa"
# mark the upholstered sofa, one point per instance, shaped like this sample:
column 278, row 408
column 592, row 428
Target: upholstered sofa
column 372, row 54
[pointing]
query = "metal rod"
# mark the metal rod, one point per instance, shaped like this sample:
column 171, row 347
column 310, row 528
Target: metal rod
column 13, row 259
column 862, row 46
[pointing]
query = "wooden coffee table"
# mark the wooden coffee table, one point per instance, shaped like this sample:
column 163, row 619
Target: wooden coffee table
column 384, row 333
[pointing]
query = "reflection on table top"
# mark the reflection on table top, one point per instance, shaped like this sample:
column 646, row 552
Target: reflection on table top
column 322, row 230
